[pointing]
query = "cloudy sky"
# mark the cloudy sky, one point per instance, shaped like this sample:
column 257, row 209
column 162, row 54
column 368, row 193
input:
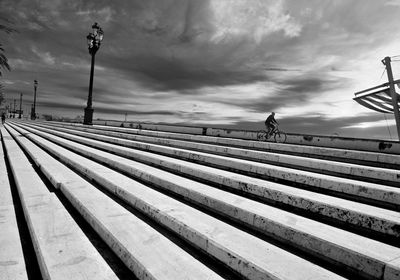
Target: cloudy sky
column 223, row 63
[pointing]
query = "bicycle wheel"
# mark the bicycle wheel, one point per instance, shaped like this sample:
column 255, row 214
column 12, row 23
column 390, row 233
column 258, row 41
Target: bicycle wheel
column 261, row 135
column 280, row 137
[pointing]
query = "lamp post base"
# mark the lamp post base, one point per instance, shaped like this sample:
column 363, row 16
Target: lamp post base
column 88, row 118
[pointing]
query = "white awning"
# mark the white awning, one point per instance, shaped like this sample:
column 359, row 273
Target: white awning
column 379, row 100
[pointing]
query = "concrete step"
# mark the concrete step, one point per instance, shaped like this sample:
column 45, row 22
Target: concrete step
column 363, row 216
column 358, row 253
column 348, row 143
column 374, row 174
column 149, row 254
column 62, row 249
column 240, row 251
column 12, row 263
column 307, row 179
column 373, row 156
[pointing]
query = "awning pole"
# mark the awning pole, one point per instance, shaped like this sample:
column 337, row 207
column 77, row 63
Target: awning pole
column 393, row 94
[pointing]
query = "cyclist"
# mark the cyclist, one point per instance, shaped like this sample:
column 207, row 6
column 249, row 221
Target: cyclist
column 270, row 123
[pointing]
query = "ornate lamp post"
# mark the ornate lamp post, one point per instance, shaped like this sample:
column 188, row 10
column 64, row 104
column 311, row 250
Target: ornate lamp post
column 33, row 111
column 94, row 40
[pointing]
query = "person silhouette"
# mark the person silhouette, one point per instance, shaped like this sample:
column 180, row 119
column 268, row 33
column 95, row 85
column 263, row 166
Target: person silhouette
column 271, row 123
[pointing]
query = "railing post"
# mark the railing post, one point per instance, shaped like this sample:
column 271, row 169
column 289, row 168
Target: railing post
column 393, row 94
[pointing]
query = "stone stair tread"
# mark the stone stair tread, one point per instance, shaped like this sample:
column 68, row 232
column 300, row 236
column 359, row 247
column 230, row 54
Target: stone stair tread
column 293, row 148
column 62, row 249
column 371, row 217
column 316, row 165
column 328, row 182
column 230, row 177
column 368, row 190
column 249, row 255
column 138, row 244
column 12, row 263
column 356, row 247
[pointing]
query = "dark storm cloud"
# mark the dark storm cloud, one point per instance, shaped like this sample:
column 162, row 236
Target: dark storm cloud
column 298, row 90
column 170, row 48
column 304, row 88
column 167, row 45
column 308, row 85
column 180, row 54
column 160, row 73
column 103, row 109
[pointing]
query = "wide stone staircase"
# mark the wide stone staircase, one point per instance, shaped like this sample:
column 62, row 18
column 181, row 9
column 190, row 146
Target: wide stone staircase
column 148, row 202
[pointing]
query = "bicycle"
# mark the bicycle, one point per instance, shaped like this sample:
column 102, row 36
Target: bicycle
column 279, row 136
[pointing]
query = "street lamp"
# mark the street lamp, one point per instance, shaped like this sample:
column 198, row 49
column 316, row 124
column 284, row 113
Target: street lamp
column 94, row 40
column 33, row 111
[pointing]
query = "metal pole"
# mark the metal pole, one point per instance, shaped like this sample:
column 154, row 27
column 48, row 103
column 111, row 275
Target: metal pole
column 14, row 109
column 393, row 94
column 88, row 118
column 89, row 102
column 34, row 105
column 20, row 106
column 33, row 112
